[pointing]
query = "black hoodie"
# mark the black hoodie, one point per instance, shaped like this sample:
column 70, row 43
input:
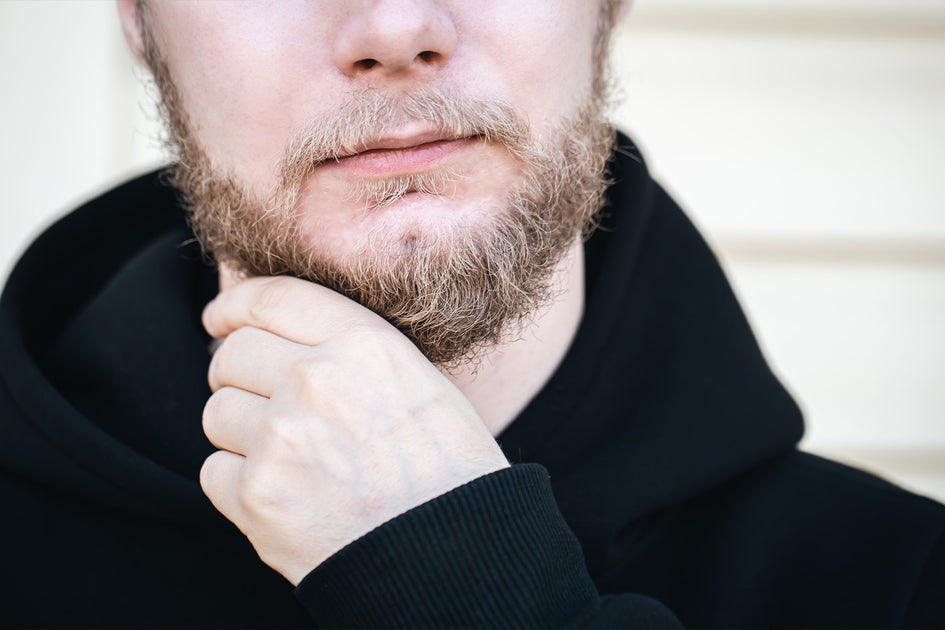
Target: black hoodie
column 663, row 440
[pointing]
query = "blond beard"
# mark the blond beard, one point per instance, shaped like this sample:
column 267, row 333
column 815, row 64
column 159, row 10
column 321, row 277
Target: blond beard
column 452, row 292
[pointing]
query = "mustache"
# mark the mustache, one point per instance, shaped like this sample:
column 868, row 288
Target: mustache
column 372, row 114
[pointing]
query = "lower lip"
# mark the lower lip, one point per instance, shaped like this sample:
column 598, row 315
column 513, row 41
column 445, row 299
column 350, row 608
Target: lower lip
column 387, row 162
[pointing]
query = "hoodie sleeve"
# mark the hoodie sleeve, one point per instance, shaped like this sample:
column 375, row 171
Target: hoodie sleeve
column 493, row 553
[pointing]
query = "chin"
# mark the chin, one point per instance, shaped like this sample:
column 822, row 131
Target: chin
column 399, row 226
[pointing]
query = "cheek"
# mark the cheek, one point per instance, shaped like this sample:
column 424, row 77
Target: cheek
column 540, row 55
column 246, row 80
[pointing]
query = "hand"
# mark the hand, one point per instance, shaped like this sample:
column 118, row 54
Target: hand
column 330, row 422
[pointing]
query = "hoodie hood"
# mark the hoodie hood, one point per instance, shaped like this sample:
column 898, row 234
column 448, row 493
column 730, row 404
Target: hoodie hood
column 663, row 394
column 101, row 340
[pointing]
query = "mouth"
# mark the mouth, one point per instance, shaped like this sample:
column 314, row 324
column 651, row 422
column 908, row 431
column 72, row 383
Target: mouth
column 402, row 155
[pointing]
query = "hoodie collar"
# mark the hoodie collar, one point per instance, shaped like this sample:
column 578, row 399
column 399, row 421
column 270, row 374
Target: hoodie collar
column 664, row 392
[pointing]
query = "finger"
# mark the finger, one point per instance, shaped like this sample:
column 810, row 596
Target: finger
column 232, row 419
column 252, row 359
column 292, row 308
column 219, row 479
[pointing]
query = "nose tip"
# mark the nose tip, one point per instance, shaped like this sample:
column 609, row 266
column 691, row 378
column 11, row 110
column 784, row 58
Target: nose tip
column 396, row 37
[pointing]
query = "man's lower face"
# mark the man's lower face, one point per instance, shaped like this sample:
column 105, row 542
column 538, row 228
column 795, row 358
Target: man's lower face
column 455, row 255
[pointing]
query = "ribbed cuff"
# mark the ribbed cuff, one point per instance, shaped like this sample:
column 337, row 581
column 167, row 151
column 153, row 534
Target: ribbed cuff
column 495, row 552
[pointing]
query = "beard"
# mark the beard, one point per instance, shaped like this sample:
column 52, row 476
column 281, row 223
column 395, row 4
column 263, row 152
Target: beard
column 454, row 289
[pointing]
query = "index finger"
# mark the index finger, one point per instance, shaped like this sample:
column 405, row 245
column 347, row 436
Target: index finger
column 295, row 309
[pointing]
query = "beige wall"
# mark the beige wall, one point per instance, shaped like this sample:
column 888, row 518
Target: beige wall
column 808, row 141
column 805, row 137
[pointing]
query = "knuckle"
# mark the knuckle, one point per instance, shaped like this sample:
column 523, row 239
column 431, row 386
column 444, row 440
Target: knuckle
column 240, row 338
column 308, row 373
column 365, row 340
column 259, row 493
column 285, row 438
column 271, row 296
column 208, row 473
column 220, row 361
column 213, row 410
column 282, row 432
column 227, row 356
column 215, row 369
column 363, row 334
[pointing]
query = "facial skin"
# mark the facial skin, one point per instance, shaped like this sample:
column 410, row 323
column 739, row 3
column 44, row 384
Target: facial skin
column 250, row 74
column 463, row 180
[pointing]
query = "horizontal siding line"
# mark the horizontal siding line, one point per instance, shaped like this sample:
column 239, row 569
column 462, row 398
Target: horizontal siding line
column 906, row 252
column 785, row 22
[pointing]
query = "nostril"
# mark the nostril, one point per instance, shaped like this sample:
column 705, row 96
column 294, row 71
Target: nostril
column 427, row 56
